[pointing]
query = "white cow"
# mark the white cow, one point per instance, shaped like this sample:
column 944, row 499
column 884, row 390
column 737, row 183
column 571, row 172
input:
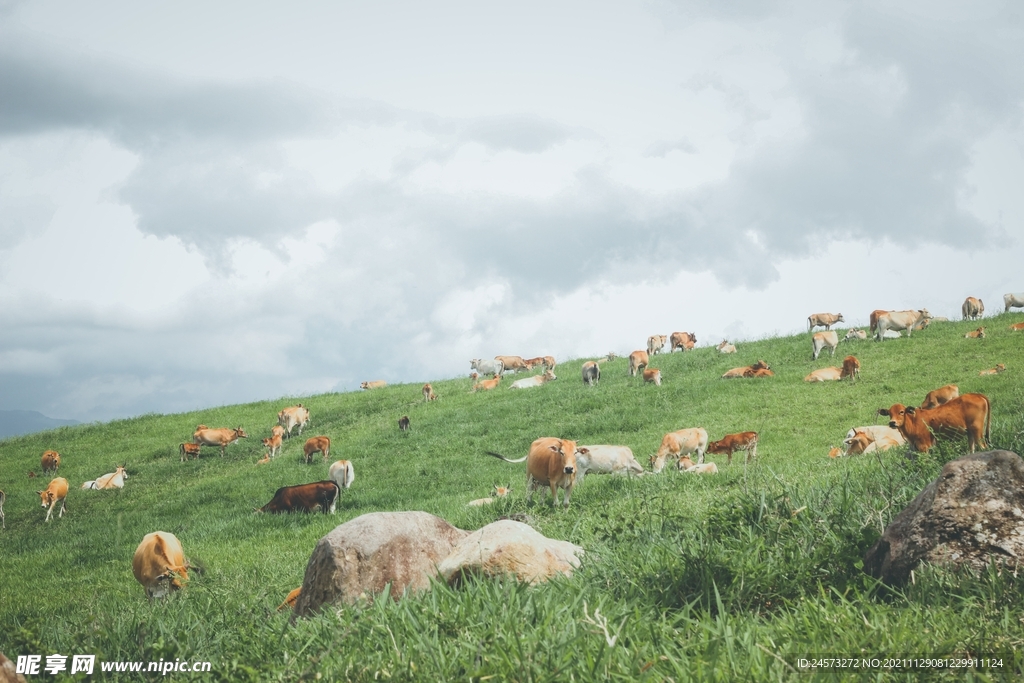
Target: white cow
column 342, row 473
column 656, row 343
column 1013, row 301
column 487, row 367
column 535, row 381
column 603, row 459
column 114, row 480
column 854, row 333
column 726, row 347
column 875, row 437
column 899, row 320
column 823, row 339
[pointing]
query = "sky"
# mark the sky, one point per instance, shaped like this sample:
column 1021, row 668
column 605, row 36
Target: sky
column 210, row 203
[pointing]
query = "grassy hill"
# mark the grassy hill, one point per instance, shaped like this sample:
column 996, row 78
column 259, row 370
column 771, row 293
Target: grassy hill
column 700, row 578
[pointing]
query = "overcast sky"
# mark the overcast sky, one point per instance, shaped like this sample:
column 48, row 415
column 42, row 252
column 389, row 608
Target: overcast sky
column 208, row 203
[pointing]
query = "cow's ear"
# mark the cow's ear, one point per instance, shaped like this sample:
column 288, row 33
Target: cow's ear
column 39, row 493
column 555, row 449
column 911, row 410
column 883, row 411
column 583, row 450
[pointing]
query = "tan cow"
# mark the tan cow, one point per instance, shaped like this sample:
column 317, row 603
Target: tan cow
column 606, row 459
column 656, row 344
column 826, row 320
column 487, row 384
column 551, row 462
column 273, row 445
column 687, row 465
column 899, row 320
column 854, row 333
column 56, row 491
column 758, row 369
column 265, row 459
column 941, row 395
column 159, row 564
column 591, row 373
column 976, row 334
column 188, row 450
column 726, row 347
column 278, row 430
column 428, row 393
column 316, row 444
column 1017, row 327
column 834, row 452
column 682, row 340
column 970, row 413
column 204, row 436
column 862, row 443
column 547, row 361
column 973, row 308
column 652, row 376
column 880, row 433
column 825, row 375
column 513, row 363
column 822, row 339
column 638, row 360
column 292, row 417
column 680, row 443
column 50, row 461
column 373, row 384
column 993, row 371
column 496, row 493
column 743, row 441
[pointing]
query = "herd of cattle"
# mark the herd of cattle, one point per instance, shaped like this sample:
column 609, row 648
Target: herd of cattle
column 561, row 464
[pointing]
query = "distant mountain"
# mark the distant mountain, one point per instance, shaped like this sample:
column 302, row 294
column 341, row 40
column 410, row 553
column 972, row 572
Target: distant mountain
column 18, row 422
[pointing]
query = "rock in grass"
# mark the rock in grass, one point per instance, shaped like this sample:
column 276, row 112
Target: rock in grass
column 512, row 548
column 973, row 514
column 360, row 557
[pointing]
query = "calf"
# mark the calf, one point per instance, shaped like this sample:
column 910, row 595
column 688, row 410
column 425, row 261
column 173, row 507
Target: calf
column 3, row 522
column 159, row 564
column 862, row 442
column 993, row 371
column 1017, row 327
column 652, row 376
column 854, row 333
column 547, row 361
column 656, row 343
column 686, row 465
column 273, row 445
column 317, row 444
column 826, row 320
column 190, row 450
column 851, row 368
column 937, row 397
column 290, row 599
column 742, row 441
column 970, row 413
column 591, row 373
column 726, row 347
column 50, row 461
column 496, row 493
column 680, row 443
column 56, row 491
column 638, row 360
column 758, row 369
column 823, row 339
column 428, row 393
column 342, row 473
column 834, row 452
column 304, row 498
column 604, row 459
column 487, row 384
column 976, row 334
column 403, row 423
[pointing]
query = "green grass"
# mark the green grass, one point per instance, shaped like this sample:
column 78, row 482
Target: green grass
column 697, row 578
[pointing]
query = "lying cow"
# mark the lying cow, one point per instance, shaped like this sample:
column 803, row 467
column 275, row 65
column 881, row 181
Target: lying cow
column 159, row 564
column 680, row 443
column 487, row 384
column 976, row 334
column 114, row 480
column 292, row 417
column 50, row 461
column 758, row 369
column 970, row 413
column 204, row 436
column 551, row 462
column 860, row 442
column 822, row 339
column 496, row 493
column 304, row 498
column 373, row 384
column 535, row 381
column 881, row 433
column 726, row 347
column 826, row 320
column 55, row 492
column 342, row 473
column 972, row 308
column 652, row 376
column 487, row 367
column 656, row 343
column 899, row 320
column 1013, row 301
column 290, row 599
column 687, row 465
column 993, row 371
column 854, row 333
column 638, row 360
column 604, row 459
column 1017, row 327
column 937, row 397
column 591, row 373
column 742, row 441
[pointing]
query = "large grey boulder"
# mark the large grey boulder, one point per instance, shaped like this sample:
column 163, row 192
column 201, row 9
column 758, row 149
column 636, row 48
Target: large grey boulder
column 973, row 514
column 507, row 547
column 360, row 557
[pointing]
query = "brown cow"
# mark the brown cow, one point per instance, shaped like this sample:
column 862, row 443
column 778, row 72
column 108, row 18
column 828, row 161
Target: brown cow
column 547, row 361
column 551, row 462
column 682, row 340
column 205, row 436
column 976, row 334
column 826, row 320
column 513, row 363
column 851, row 368
column 973, row 308
column 970, row 413
column 638, row 360
column 304, row 498
column 487, row 384
column 750, row 371
column 993, row 371
column 652, row 376
column 1017, row 327
column 937, row 397
column 403, row 423
column 290, row 600
column 291, row 417
column 316, row 444
column 428, row 393
column 743, row 441
column 50, row 461
column 159, row 564
column 188, row 450
column 57, row 490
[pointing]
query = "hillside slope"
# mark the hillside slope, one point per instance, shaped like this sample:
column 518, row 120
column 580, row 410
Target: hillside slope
column 707, row 578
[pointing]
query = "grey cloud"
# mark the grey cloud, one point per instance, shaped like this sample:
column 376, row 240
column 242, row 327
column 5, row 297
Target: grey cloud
column 21, row 215
column 663, row 147
column 527, row 134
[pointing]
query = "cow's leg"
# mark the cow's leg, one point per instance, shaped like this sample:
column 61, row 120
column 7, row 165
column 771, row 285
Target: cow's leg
column 62, row 507
column 568, row 494
column 50, row 510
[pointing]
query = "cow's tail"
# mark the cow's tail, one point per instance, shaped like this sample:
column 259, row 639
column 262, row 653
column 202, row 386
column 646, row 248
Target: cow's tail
column 809, row 327
column 499, row 456
column 988, row 422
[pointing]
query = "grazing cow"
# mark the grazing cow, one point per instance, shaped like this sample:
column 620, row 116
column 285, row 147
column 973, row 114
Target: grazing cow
column 159, row 564
column 496, row 493
column 1017, row 327
column 50, row 461
column 551, row 462
column 291, row 599
column 652, row 376
column 273, row 445
column 591, row 373
column 726, row 347
column 487, row 367
column 428, row 393
column 854, row 333
column 604, row 459
column 680, row 443
column 860, row 442
column 851, row 368
column 758, row 369
column 1013, row 301
column 970, row 413
column 973, row 308
column 114, row 480
column 487, row 384
column 342, row 473
column 403, row 423
column 743, row 441
column 638, row 360
column 682, row 340
column 373, row 384
column 941, row 395
column 513, row 363
column 316, row 444
column 825, row 375
column 976, row 334
column 686, row 465
column 294, row 416
column 3, row 521
column 304, row 498
column 899, row 320
column 826, row 320
column 56, row 490
column 823, row 339
column 656, row 344
column 189, row 450
column 535, row 381
column 993, row 371
column 205, row 436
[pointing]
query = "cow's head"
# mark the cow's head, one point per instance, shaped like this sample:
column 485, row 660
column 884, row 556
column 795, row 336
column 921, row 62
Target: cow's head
column 172, row 579
column 897, row 414
column 857, row 444
column 567, row 454
column 501, row 491
column 684, row 463
column 46, row 496
column 761, row 365
column 240, row 433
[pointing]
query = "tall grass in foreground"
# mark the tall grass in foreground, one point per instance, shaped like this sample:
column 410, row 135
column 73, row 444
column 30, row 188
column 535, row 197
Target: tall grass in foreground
column 685, row 578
